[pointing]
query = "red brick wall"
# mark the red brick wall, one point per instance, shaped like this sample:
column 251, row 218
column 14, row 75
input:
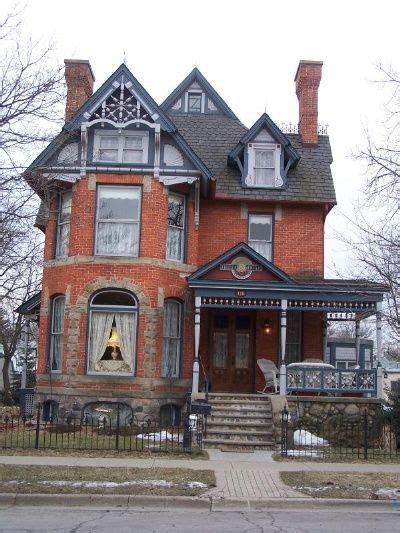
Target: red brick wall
column 297, row 249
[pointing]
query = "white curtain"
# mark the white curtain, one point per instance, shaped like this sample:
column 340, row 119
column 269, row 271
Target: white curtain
column 117, row 238
column 174, row 243
column 171, row 340
column 220, row 349
column 126, row 330
column 262, row 247
column 242, row 350
column 100, row 330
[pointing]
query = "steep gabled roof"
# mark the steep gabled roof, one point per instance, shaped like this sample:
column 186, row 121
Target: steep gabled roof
column 193, row 77
column 266, row 122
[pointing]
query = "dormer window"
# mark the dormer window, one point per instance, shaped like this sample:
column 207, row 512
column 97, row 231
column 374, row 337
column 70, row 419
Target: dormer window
column 263, row 168
column 125, row 147
column 195, row 102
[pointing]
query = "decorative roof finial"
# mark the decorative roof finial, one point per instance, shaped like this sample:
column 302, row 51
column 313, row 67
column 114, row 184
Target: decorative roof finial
column 124, row 60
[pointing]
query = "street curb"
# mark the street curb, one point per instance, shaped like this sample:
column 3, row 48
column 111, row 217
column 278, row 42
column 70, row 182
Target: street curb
column 165, row 503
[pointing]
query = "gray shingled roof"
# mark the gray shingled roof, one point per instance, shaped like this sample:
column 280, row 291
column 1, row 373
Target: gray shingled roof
column 212, row 137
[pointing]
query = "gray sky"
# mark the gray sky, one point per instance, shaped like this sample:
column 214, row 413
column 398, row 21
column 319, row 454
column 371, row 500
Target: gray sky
column 249, row 52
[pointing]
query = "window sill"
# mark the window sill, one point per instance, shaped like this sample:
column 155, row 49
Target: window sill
column 111, row 374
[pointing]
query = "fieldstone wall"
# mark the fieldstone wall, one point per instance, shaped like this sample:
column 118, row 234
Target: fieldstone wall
column 312, row 410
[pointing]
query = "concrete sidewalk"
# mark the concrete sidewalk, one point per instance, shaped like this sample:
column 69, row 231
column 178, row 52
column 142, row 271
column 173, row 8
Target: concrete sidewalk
column 253, row 476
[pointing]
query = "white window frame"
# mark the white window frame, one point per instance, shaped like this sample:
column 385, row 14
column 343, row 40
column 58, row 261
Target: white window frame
column 93, row 307
column 178, row 338
column 54, row 334
column 182, row 229
column 251, row 158
column 117, row 221
column 251, row 241
column 122, row 135
column 202, row 101
column 60, row 224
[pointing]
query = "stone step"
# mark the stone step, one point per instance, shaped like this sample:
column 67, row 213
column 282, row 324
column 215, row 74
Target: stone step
column 238, row 444
column 239, row 416
column 242, row 424
column 246, row 433
column 221, row 410
column 233, row 396
column 238, row 401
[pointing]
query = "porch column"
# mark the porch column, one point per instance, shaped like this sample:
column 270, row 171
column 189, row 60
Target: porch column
column 282, row 374
column 357, row 342
column 196, row 366
column 325, row 339
column 378, row 333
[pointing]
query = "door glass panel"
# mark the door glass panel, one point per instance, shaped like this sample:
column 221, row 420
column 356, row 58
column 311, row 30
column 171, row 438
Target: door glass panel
column 220, row 349
column 242, row 349
column 243, row 322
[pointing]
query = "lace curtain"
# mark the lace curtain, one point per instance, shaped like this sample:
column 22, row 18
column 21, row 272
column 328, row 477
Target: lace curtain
column 175, row 243
column 242, row 350
column 171, row 340
column 100, row 330
column 126, row 330
column 117, row 238
column 57, row 332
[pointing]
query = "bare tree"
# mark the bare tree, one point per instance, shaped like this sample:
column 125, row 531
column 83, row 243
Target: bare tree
column 31, row 89
column 31, row 96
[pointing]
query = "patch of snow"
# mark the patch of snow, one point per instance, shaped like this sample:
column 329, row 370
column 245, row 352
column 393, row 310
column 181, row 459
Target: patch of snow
column 305, row 438
column 110, row 484
column 196, row 485
column 303, row 453
column 390, row 494
column 157, row 437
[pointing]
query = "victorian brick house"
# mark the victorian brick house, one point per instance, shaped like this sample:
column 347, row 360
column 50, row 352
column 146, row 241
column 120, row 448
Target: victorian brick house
column 180, row 245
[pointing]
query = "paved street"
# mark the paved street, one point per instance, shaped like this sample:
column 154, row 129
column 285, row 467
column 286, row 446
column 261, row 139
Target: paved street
column 61, row 520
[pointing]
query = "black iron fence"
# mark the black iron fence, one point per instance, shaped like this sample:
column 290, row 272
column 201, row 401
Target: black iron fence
column 100, row 433
column 340, row 436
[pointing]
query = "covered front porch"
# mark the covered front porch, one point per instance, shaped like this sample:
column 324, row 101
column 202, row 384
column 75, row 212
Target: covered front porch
column 246, row 309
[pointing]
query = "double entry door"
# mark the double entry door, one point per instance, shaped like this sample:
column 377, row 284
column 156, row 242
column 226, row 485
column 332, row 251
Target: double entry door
column 231, row 360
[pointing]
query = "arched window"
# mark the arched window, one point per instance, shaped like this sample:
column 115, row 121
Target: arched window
column 112, row 332
column 50, row 410
column 172, row 333
column 56, row 333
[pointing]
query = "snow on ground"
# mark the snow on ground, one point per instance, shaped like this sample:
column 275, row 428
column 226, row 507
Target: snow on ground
column 162, row 435
column 305, row 438
column 304, row 453
column 388, row 493
column 114, row 484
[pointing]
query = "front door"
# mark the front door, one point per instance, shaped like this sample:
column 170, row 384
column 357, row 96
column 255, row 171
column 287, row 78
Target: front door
column 231, row 352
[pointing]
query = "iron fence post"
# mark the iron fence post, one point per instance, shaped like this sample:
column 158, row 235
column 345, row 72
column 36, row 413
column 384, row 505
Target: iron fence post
column 37, row 428
column 117, row 429
column 365, row 420
column 284, row 435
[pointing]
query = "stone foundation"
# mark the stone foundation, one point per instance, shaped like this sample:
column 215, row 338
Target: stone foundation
column 316, row 409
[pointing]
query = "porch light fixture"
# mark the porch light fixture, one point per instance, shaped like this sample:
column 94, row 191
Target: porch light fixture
column 267, row 328
column 113, row 342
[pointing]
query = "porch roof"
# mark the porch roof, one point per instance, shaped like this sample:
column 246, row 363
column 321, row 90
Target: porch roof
column 216, row 285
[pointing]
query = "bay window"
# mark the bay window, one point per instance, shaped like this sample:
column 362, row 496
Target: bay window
column 117, row 220
column 56, row 333
column 171, row 347
column 260, row 234
column 112, row 332
column 176, row 228
column 127, row 147
column 63, row 224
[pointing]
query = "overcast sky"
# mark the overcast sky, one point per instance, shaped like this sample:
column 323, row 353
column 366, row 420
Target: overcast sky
column 249, row 51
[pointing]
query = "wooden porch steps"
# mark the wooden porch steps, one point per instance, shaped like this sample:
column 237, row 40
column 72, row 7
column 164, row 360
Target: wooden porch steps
column 240, row 421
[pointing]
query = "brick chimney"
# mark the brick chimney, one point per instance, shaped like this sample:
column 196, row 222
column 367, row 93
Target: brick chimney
column 307, row 80
column 79, row 78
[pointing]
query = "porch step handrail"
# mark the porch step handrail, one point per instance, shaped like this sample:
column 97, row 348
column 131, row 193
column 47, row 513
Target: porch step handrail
column 206, row 382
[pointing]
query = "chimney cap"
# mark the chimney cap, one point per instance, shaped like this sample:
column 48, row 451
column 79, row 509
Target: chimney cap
column 307, row 62
column 80, row 62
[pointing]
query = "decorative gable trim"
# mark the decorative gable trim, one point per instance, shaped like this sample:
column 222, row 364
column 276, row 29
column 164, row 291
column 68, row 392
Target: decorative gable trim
column 197, row 77
column 245, row 249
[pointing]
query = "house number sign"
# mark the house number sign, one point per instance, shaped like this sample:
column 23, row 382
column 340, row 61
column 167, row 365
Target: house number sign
column 241, row 267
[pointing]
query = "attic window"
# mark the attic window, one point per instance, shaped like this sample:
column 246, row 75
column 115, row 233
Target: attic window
column 195, row 102
column 263, row 168
column 128, row 147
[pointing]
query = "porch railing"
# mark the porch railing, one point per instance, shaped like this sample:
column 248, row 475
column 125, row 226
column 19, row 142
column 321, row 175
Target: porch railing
column 311, row 379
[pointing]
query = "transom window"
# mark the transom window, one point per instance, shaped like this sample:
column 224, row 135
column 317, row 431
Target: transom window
column 127, row 147
column 263, row 165
column 194, row 102
column 171, row 339
column 112, row 332
column 176, row 227
column 117, row 220
column 63, row 224
column 56, row 333
column 260, row 234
